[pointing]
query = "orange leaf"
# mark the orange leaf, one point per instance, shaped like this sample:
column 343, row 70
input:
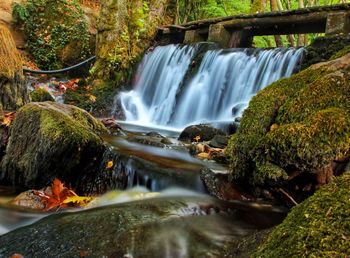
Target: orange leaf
column 57, row 187
column 16, row 256
column 8, row 118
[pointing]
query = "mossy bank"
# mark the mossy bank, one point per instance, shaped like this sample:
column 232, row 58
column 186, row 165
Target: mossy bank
column 319, row 227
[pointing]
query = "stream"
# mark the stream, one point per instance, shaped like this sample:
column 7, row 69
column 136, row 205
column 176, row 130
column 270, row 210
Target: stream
column 156, row 204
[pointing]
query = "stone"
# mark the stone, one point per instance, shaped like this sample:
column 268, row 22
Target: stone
column 205, row 132
column 218, row 34
column 41, row 95
column 193, row 36
column 49, row 140
column 219, row 141
column 338, row 22
column 180, row 226
column 218, row 185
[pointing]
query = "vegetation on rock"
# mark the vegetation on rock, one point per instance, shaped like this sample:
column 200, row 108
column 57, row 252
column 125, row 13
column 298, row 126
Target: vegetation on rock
column 126, row 29
column 13, row 91
column 318, row 227
column 301, row 123
column 41, row 95
column 54, row 29
column 49, row 140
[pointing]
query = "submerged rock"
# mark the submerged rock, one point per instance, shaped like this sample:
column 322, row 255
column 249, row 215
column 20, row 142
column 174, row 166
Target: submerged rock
column 49, row 140
column 318, row 227
column 205, row 132
column 161, row 227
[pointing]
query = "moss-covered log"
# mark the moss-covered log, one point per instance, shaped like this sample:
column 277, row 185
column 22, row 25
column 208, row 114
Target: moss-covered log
column 300, row 124
column 49, row 140
column 319, row 227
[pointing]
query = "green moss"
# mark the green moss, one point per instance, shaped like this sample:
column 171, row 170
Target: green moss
column 310, row 114
column 48, row 140
column 341, row 52
column 52, row 27
column 325, row 48
column 97, row 100
column 318, row 227
column 40, row 95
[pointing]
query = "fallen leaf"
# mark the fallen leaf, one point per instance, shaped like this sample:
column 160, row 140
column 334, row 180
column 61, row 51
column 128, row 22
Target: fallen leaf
column 80, row 200
column 197, row 138
column 8, row 118
column 203, row 155
column 109, row 164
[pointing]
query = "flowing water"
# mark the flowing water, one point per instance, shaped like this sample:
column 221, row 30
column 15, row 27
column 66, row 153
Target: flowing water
column 173, row 87
column 226, row 80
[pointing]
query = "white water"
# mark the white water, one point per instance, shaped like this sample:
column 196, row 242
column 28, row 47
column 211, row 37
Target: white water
column 221, row 89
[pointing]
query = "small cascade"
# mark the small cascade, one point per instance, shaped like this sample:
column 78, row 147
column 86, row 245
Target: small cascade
column 156, row 83
column 220, row 90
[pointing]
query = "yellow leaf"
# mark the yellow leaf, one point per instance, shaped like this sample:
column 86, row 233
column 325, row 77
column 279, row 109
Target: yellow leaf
column 80, row 200
column 197, row 138
column 109, row 164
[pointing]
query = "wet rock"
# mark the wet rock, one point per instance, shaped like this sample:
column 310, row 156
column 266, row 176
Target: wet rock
column 41, row 95
column 191, row 227
column 205, row 132
column 49, row 140
column 218, row 184
column 219, row 141
column 111, row 124
column 148, row 140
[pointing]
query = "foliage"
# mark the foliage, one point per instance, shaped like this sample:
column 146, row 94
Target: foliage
column 102, row 92
column 51, row 27
column 299, row 123
column 58, row 196
column 319, row 227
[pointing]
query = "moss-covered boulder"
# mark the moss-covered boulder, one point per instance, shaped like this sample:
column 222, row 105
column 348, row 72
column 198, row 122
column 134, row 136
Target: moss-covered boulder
column 41, row 95
column 13, row 90
column 56, row 30
column 325, row 48
column 318, row 227
column 158, row 227
column 49, row 140
column 295, row 126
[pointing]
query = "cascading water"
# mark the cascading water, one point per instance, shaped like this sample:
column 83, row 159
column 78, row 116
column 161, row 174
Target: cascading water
column 221, row 89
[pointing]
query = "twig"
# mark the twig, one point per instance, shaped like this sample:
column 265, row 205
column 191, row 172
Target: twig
column 288, row 196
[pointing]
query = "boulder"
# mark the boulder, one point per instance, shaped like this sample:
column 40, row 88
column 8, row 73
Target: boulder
column 158, row 227
column 13, row 90
column 49, row 140
column 219, row 141
column 205, row 132
column 298, row 125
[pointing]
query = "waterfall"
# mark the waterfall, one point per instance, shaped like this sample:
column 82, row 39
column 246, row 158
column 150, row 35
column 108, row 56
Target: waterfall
column 220, row 90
